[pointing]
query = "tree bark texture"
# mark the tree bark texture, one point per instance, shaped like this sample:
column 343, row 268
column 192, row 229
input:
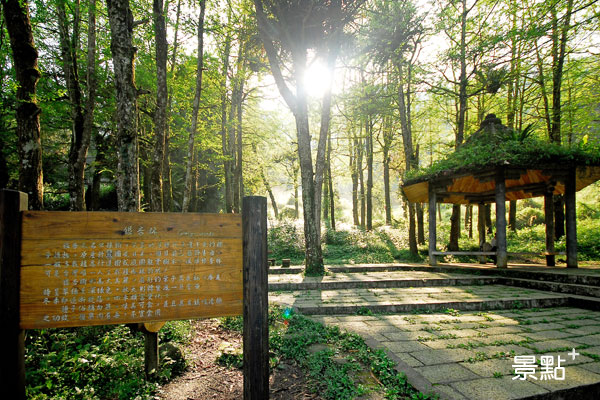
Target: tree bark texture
column 409, row 158
column 460, row 119
column 354, row 177
column 160, row 114
column 454, row 228
column 224, row 130
column 189, row 162
column 420, row 224
column 324, row 134
column 330, row 181
column 123, row 53
column 369, row 150
column 512, row 215
column 25, row 58
column 386, row 177
column 69, row 44
column 270, row 192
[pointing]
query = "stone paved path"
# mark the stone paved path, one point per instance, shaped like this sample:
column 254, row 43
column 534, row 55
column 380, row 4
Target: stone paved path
column 471, row 355
column 461, row 354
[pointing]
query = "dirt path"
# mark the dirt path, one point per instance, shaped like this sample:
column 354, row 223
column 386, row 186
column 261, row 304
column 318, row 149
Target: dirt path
column 205, row 379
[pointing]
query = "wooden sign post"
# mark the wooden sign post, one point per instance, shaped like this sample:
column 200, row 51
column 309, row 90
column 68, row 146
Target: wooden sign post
column 12, row 338
column 68, row 269
column 256, row 316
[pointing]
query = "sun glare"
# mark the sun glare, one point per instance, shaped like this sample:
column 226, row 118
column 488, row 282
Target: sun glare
column 317, row 78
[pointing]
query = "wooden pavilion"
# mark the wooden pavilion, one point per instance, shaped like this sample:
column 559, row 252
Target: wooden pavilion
column 499, row 183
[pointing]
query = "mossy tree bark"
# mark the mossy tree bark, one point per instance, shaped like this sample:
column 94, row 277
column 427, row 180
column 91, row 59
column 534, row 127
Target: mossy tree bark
column 25, row 58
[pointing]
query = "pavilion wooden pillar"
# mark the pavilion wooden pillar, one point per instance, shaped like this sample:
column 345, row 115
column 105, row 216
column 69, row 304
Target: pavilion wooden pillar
column 549, row 219
column 432, row 226
column 571, row 218
column 500, row 195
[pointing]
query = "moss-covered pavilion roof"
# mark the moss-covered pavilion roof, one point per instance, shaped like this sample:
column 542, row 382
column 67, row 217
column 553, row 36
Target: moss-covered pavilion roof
column 531, row 168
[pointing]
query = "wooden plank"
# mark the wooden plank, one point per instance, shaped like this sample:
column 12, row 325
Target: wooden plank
column 12, row 350
column 82, row 268
column 464, row 253
column 256, row 324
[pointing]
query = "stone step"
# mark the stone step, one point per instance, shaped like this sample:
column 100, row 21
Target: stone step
column 578, row 276
column 559, row 287
column 393, row 279
column 423, row 299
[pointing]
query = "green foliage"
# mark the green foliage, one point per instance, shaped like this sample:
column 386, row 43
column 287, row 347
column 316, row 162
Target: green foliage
column 526, row 152
column 382, row 245
column 329, row 375
column 232, row 323
column 104, row 362
column 285, row 241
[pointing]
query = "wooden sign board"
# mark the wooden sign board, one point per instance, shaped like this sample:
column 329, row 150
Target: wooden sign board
column 101, row 268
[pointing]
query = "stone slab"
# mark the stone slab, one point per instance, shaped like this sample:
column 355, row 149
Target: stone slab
column 497, row 388
column 446, row 373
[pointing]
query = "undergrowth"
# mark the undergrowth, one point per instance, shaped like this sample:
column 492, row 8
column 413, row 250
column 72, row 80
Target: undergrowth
column 332, row 370
column 105, row 362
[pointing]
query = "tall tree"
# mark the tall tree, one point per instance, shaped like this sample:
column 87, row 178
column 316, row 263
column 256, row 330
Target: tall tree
column 123, row 55
column 82, row 115
column 297, row 26
column 399, row 44
column 25, row 58
column 196, row 107
column 160, row 114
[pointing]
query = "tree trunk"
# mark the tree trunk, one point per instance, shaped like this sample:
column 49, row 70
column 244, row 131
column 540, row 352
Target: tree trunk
column 420, row 224
column 488, row 218
column 460, row 120
column 224, row 130
column 559, row 217
column 323, row 134
column 195, row 109
column 408, row 159
column 123, row 53
column 270, row 192
column 330, row 180
column 238, row 173
column 386, row 187
column 314, row 259
column 160, row 114
column 296, row 194
column 25, row 56
column 80, row 139
column 512, row 215
column 325, row 203
column 354, row 176
column 369, row 138
column 454, row 228
column 361, row 176
column 167, row 178
column 469, row 220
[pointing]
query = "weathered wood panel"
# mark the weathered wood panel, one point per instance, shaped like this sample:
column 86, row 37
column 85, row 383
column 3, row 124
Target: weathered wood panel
column 82, row 268
column 476, row 187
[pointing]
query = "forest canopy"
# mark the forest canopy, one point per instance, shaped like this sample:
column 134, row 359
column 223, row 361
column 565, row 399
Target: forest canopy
column 323, row 106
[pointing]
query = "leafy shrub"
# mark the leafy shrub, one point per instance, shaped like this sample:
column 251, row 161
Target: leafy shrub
column 529, row 216
column 105, row 362
column 286, row 241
